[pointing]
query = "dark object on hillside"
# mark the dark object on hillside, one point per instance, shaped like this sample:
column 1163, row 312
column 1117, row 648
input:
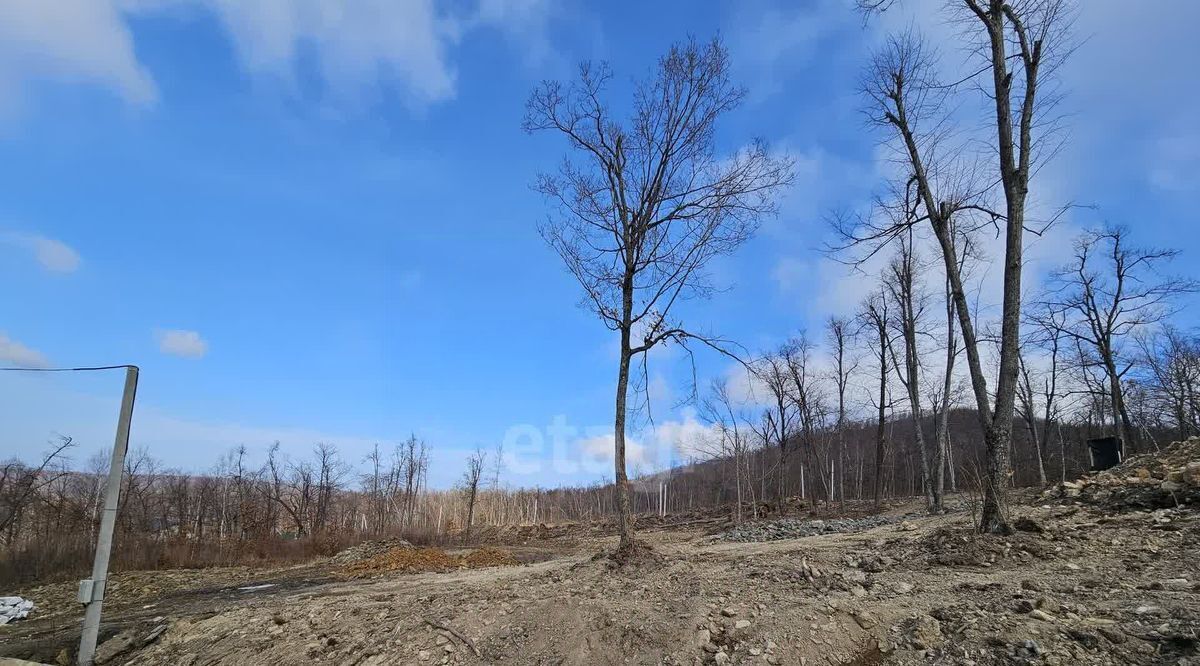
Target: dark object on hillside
column 1106, row 452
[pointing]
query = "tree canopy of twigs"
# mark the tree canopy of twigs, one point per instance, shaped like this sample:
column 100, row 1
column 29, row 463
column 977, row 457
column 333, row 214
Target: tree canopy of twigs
column 1104, row 295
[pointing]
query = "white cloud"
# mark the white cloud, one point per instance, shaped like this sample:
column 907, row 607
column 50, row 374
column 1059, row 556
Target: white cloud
column 687, row 438
column 602, row 448
column 53, row 255
column 15, row 353
column 187, row 344
column 71, row 41
column 356, row 45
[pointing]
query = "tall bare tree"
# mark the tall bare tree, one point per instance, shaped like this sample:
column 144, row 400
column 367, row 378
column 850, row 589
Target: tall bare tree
column 910, row 300
column 873, row 317
column 840, row 334
column 778, row 424
column 643, row 203
column 1020, row 44
column 809, row 407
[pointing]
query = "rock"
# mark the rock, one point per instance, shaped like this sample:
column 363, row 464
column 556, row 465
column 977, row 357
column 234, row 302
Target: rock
column 907, row 526
column 1027, row 524
column 1085, row 638
column 922, row 632
column 1029, row 648
column 903, row 588
column 728, row 612
column 1047, row 604
column 703, row 637
column 721, row 658
column 1113, row 635
column 1042, row 615
column 115, row 646
column 1176, row 584
column 865, row 619
column 154, row 634
column 1023, row 606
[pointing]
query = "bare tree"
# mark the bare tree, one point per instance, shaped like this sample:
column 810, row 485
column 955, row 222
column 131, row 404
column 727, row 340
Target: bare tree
column 873, row 317
column 809, row 407
column 778, row 424
column 1107, row 293
column 840, row 334
column 476, row 463
column 1172, row 361
column 911, row 301
column 720, row 412
column 19, row 483
column 938, row 185
column 648, row 202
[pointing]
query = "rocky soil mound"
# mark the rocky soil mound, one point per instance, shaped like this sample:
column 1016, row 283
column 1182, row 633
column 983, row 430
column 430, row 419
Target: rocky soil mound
column 1164, row 479
column 418, row 560
column 366, row 550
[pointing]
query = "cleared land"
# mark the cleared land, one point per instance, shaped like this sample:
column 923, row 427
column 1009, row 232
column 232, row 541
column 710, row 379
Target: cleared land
column 1095, row 574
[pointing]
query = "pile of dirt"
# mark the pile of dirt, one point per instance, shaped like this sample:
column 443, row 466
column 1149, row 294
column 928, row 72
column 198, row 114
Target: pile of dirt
column 366, row 550
column 1163, row 479
column 963, row 547
column 418, row 560
column 489, row 557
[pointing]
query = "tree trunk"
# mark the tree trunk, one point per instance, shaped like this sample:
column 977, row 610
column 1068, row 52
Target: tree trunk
column 880, row 434
column 1116, row 392
column 624, row 515
column 993, row 518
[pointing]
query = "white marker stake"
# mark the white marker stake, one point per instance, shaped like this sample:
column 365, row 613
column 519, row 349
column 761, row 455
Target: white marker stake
column 91, row 591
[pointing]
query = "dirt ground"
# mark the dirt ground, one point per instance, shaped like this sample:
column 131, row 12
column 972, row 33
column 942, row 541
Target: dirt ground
column 1081, row 585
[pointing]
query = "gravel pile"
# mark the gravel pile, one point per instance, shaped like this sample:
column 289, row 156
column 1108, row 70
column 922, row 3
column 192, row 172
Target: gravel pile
column 1165, row 479
column 795, row 528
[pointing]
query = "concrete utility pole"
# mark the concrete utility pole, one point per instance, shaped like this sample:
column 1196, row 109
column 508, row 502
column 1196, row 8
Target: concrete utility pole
column 91, row 591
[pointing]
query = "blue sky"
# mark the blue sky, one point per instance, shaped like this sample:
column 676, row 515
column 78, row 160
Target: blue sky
column 313, row 220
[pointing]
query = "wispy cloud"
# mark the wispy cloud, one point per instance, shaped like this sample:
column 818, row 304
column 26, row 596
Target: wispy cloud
column 355, row 46
column 53, row 255
column 15, row 353
column 177, row 342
